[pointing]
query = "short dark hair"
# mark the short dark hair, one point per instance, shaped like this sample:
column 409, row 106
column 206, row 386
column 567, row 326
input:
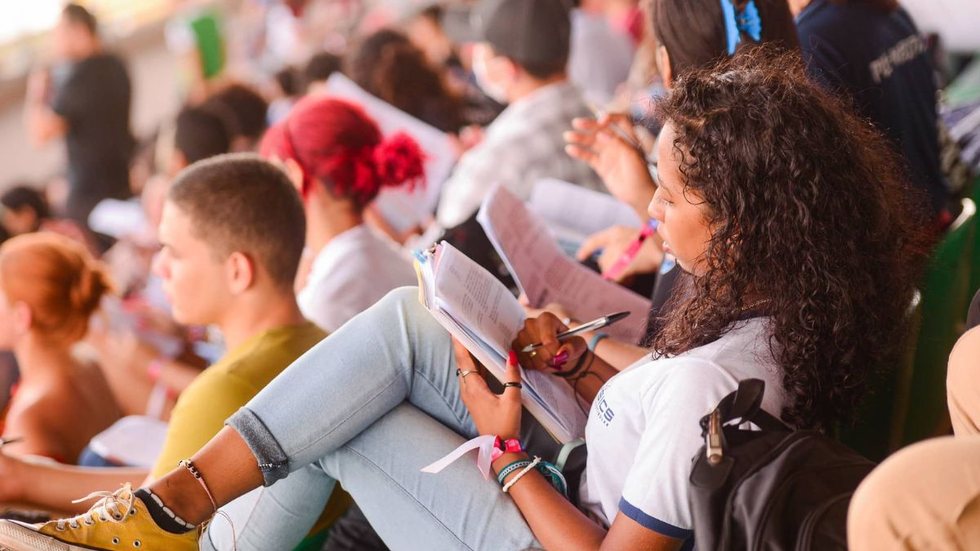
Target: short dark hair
column 320, row 67
column 247, row 106
column 23, row 195
column 200, row 133
column 77, row 14
column 239, row 202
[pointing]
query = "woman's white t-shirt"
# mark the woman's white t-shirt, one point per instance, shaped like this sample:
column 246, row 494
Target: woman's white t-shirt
column 352, row 272
column 643, row 429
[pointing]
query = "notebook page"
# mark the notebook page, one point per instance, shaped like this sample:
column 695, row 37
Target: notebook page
column 545, row 274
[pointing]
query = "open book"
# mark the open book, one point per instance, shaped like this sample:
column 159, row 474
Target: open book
column 545, row 274
column 482, row 314
column 400, row 208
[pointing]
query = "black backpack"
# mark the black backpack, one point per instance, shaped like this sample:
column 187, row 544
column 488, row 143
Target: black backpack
column 771, row 489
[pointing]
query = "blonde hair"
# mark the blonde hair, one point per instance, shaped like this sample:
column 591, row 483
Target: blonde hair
column 58, row 280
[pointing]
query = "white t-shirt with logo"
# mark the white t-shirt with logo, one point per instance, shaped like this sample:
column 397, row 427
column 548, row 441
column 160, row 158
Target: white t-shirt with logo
column 643, row 429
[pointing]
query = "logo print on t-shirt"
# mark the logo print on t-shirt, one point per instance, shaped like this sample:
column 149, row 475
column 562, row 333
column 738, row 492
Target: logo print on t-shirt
column 602, row 409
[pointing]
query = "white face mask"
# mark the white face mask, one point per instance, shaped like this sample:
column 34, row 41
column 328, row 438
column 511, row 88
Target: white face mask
column 483, row 80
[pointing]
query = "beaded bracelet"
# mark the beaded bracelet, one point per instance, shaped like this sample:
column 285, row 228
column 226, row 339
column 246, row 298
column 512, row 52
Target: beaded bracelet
column 511, row 467
column 527, row 468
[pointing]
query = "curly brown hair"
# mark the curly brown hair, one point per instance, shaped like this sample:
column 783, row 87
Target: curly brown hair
column 810, row 211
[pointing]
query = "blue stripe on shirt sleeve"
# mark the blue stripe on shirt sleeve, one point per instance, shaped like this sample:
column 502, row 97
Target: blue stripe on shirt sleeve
column 653, row 523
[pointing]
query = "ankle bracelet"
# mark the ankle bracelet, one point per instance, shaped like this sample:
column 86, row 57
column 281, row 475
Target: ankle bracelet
column 187, row 464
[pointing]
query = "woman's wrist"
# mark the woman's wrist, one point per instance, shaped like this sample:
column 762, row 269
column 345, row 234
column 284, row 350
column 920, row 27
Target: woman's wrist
column 506, row 459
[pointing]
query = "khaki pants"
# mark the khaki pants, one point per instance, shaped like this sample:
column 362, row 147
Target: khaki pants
column 927, row 496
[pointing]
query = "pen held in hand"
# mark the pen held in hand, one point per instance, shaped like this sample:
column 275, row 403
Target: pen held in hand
column 621, row 134
column 599, row 323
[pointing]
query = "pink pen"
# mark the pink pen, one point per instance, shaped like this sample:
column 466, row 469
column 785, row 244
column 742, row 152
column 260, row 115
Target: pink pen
column 630, row 253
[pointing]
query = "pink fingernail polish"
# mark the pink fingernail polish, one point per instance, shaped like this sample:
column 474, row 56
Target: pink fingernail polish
column 561, row 357
column 512, row 357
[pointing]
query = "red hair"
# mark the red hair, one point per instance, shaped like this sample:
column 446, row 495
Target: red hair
column 58, row 280
column 336, row 144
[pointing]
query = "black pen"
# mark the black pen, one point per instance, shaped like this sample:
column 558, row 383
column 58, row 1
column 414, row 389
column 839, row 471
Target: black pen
column 590, row 326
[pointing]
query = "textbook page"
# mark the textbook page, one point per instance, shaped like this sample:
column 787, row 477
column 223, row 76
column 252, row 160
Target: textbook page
column 545, row 274
column 403, row 209
column 573, row 213
column 482, row 314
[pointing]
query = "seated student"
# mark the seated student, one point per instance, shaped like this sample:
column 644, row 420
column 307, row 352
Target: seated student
column 232, row 235
column 50, row 287
column 318, row 69
column 690, row 34
column 26, row 210
column 757, row 222
column 520, row 58
column 245, row 110
column 871, row 51
column 139, row 372
column 389, row 66
column 339, row 160
column 927, row 496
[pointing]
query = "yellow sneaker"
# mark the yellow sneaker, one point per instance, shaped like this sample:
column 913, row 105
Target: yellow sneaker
column 117, row 521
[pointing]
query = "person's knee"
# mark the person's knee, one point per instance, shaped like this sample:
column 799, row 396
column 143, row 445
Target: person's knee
column 896, row 493
column 963, row 383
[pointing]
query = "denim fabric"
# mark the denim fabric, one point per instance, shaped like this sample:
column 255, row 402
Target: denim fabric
column 370, row 406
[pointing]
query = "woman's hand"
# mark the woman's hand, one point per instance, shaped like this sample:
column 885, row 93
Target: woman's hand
column 496, row 414
column 552, row 356
column 622, row 168
column 614, row 241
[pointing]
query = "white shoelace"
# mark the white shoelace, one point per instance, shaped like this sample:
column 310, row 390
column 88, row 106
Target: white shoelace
column 115, row 507
column 111, row 507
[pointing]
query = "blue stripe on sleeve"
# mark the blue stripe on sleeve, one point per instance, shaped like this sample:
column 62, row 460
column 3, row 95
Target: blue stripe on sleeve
column 653, row 523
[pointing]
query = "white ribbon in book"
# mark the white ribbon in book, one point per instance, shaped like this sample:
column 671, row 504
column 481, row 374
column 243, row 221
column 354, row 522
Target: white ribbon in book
column 482, row 443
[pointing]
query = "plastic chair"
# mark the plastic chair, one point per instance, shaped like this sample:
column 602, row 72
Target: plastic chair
column 945, row 299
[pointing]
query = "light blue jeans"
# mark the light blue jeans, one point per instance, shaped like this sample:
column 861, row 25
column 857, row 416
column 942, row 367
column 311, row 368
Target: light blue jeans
column 370, row 406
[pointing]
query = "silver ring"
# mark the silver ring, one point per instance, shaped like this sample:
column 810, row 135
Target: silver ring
column 463, row 374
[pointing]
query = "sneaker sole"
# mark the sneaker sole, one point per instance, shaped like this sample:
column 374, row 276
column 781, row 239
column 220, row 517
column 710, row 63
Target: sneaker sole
column 16, row 537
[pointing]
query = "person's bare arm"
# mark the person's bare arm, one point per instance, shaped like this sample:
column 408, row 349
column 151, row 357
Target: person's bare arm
column 43, row 124
column 555, row 521
column 52, row 486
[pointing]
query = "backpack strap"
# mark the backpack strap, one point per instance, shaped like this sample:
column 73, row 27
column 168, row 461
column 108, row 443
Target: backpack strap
column 745, row 404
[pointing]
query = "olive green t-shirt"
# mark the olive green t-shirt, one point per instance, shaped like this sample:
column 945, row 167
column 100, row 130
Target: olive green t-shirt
column 228, row 385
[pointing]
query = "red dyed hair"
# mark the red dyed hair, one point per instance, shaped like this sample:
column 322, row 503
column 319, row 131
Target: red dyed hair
column 335, row 143
column 58, row 280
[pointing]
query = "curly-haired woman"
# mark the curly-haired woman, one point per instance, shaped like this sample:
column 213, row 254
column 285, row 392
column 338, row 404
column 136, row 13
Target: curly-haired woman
column 786, row 211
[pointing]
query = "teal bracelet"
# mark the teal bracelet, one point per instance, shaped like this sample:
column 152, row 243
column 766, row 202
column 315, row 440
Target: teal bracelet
column 594, row 341
column 511, row 467
column 554, row 476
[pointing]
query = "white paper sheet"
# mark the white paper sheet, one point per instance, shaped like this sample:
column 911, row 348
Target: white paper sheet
column 403, row 209
column 545, row 274
column 573, row 213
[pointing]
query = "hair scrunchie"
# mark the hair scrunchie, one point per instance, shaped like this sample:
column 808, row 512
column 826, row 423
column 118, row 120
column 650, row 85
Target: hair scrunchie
column 737, row 21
